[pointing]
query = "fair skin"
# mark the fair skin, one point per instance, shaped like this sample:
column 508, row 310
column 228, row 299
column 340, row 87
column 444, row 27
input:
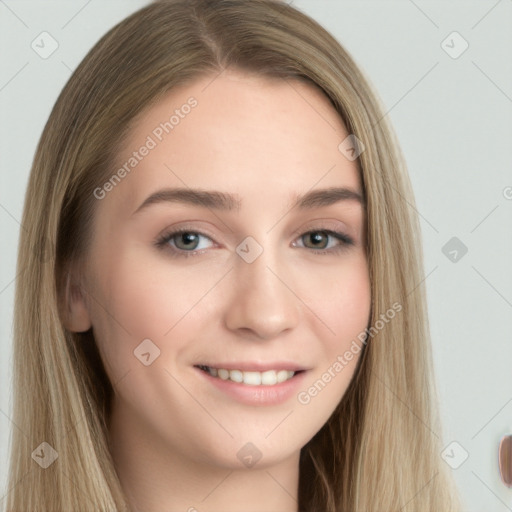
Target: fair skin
column 175, row 436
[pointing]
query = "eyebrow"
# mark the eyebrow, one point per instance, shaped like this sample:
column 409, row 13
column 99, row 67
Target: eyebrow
column 228, row 202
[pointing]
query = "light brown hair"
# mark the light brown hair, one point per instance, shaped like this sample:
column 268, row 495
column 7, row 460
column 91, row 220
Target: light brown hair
column 380, row 450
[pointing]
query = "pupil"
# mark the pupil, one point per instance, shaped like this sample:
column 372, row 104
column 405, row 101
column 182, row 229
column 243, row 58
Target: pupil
column 317, row 237
column 188, row 238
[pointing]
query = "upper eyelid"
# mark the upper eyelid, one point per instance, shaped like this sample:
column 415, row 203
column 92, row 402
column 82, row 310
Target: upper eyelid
column 325, row 225
column 318, row 225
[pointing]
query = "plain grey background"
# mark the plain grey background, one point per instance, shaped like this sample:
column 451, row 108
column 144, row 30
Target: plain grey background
column 451, row 107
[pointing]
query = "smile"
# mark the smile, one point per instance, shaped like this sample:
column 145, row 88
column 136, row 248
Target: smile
column 251, row 378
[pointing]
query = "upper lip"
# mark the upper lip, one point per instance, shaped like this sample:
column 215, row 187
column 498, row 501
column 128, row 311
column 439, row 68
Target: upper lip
column 255, row 366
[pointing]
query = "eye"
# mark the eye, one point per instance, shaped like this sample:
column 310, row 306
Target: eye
column 320, row 240
column 184, row 241
column 187, row 242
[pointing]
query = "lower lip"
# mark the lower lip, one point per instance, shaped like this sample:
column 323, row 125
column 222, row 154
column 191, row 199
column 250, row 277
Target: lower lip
column 257, row 395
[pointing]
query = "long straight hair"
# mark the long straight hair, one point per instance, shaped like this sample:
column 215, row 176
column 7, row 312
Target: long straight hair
column 380, row 451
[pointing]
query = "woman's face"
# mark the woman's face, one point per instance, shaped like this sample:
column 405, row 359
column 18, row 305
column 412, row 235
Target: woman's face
column 259, row 282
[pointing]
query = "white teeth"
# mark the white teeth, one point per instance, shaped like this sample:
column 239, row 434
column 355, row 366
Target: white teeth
column 283, row 375
column 223, row 374
column 252, row 378
column 267, row 378
column 236, row 375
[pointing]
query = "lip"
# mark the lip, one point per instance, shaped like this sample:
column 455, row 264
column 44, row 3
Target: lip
column 256, row 366
column 256, row 395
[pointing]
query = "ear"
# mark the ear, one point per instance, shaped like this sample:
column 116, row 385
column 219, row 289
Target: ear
column 76, row 317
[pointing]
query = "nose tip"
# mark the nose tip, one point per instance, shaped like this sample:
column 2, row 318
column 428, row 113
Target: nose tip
column 261, row 305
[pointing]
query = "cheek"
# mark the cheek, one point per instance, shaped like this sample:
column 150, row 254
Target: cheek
column 340, row 297
column 342, row 316
column 136, row 299
column 349, row 308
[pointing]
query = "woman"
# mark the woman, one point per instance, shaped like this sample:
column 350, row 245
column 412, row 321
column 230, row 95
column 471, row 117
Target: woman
column 281, row 362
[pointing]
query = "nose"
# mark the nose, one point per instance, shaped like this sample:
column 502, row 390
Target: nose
column 262, row 304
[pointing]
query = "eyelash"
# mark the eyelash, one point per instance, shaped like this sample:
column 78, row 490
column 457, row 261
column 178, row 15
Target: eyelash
column 162, row 242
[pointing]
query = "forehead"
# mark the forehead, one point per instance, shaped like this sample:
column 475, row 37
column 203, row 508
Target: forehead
column 257, row 137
